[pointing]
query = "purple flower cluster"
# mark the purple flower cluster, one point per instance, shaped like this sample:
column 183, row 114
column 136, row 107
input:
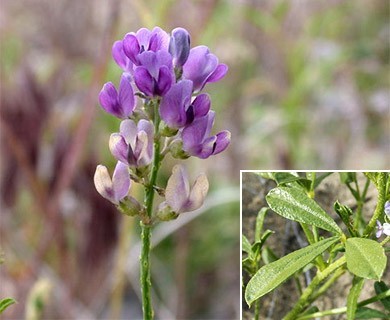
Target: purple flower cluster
column 168, row 76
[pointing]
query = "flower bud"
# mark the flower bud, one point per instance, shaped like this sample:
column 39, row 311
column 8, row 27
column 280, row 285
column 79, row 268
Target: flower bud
column 179, row 46
column 119, row 103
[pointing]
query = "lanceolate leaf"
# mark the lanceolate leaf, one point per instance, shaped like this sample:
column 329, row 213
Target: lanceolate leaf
column 259, row 223
column 353, row 295
column 246, row 246
column 294, row 204
column 272, row 275
column 365, row 258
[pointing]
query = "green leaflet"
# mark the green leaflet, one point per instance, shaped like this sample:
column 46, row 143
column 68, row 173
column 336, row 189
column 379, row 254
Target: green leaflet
column 365, row 258
column 272, row 275
column 353, row 296
column 294, row 204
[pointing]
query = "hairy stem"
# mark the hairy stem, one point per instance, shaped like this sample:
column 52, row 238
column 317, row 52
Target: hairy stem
column 145, row 272
column 305, row 297
column 381, row 187
column 146, row 228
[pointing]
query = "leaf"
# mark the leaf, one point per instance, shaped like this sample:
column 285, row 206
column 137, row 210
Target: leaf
column 247, row 265
column 353, row 296
column 268, row 255
column 373, row 176
column 259, row 223
column 345, row 214
column 246, row 246
column 285, row 177
column 310, row 310
column 365, row 258
column 294, row 204
column 272, row 275
column 293, row 179
column 266, row 175
column 368, row 313
column 256, row 247
column 347, row 177
column 380, row 287
column 319, row 179
column 5, row 303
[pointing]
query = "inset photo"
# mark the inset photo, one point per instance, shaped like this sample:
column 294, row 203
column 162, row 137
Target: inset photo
column 315, row 245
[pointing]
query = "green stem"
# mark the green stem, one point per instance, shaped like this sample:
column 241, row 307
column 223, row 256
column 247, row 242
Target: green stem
column 327, row 284
column 359, row 221
column 257, row 309
column 145, row 272
column 387, row 239
column 304, row 299
column 381, row 186
column 146, row 228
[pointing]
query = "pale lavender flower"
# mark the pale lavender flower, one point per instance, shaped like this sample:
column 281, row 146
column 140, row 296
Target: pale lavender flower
column 385, row 228
column 197, row 140
column 387, row 208
column 154, row 75
column 176, row 108
column 133, row 145
column 180, row 197
column 144, row 40
column 202, row 67
column 120, row 104
column 116, row 189
column 120, row 57
column 179, row 46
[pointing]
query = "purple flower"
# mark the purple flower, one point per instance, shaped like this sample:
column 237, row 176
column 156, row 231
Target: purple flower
column 154, row 76
column 120, row 104
column 196, row 139
column 176, row 108
column 144, row 40
column 202, row 67
column 120, row 57
column 387, row 208
column 179, row 46
column 116, row 189
column 134, row 144
column 382, row 229
column 180, row 197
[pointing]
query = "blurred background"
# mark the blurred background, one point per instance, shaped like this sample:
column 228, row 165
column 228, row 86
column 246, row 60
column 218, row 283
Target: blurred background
column 308, row 87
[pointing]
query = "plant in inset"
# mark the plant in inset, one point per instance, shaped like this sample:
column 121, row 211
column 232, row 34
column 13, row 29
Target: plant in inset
column 350, row 251
column 167, row 76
